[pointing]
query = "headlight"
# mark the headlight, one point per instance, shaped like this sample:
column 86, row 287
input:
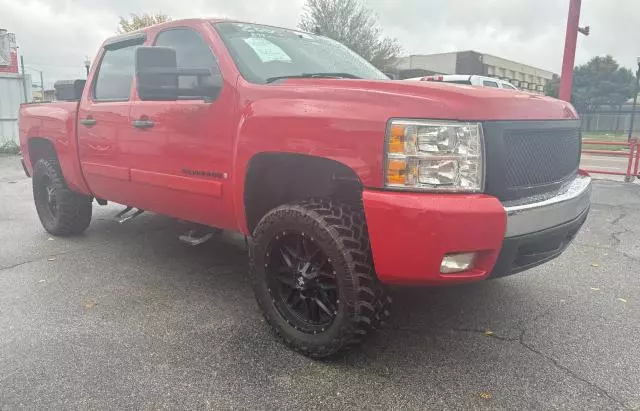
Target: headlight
column 434, row 155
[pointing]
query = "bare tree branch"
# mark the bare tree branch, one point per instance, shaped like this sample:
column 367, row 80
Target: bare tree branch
column 355, row 26
column 138, row 21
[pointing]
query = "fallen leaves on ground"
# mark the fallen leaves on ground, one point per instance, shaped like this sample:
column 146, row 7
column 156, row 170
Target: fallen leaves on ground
column 487, row 333
column 595, row 265
column 485, row 395
column 595, row 289
column 51, row 259
column 89, row 304
column 621, row 299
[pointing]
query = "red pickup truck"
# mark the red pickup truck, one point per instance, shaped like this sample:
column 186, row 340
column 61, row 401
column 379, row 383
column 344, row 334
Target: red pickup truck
column 344, row 180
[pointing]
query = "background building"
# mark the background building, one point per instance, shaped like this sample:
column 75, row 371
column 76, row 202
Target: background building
column 472, row 62
column 12, row 87
column 49, row 95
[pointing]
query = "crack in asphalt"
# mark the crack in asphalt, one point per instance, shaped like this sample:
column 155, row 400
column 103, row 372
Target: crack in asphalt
column 529, row 347
column 616, row 220
column 612, row 249
column 630, row 257
column 556, row 363
column 79, row 249
column 43, row 258
column 614, row 235
column 568, row 371
column 9, row 267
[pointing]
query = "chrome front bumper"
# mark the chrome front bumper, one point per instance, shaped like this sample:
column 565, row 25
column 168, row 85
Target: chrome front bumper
column 566, row 205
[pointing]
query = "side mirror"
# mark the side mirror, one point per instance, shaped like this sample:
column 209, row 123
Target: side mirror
column 159, row 78
column 156, row 73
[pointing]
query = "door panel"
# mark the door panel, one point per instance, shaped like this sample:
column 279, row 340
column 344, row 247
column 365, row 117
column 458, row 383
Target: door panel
column 181, row 165
column 100, row 155
column 103, row 123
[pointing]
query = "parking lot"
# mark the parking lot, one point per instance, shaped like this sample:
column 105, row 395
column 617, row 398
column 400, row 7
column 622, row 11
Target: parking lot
column 128, row 317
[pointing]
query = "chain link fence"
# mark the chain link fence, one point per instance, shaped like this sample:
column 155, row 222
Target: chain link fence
column 610, row 122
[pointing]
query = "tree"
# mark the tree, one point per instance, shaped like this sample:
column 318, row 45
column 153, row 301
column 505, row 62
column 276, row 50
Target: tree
column 139, row 21
column 552, row 88
column 600, row 82
column 353, row 25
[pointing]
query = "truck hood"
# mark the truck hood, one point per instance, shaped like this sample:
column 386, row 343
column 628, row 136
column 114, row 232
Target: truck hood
column 435, row 100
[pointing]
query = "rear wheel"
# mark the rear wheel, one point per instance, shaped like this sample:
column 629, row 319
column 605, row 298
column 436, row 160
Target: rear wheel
column 62, row 212
column 313, row 276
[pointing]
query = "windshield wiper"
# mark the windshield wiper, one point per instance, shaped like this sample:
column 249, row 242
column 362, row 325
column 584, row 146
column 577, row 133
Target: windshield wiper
column 313, row 75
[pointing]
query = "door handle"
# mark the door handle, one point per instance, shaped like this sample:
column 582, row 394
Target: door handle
column 142, row 123
column 89, row 121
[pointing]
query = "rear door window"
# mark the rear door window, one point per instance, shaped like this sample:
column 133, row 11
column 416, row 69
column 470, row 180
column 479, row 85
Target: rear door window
column 115, row 74
column 192, row 52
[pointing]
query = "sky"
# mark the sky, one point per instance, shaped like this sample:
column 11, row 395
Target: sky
column 56, row 36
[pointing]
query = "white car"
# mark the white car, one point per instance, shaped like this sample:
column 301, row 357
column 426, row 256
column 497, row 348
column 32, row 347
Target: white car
column 472, row 80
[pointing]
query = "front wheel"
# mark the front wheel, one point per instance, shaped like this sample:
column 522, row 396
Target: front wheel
column 313, row 276
column 62, row 212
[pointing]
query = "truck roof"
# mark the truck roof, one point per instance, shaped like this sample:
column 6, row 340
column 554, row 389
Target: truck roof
column 175, row 23
column 172, row 23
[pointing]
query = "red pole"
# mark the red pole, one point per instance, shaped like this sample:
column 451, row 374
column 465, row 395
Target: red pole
column 635, row 170
column 566, row 79
column 632, row 149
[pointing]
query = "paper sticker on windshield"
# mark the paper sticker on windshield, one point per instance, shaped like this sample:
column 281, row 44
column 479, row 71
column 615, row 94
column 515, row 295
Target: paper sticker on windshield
column 266, row 50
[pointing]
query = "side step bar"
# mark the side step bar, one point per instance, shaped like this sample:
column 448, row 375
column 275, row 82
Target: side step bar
column 127, row 215
column 198, row 236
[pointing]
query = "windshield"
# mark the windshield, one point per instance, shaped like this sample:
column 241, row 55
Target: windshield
column 263, row 52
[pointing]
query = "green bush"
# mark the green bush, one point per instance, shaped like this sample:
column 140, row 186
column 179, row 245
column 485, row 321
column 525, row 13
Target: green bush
column 9, row 147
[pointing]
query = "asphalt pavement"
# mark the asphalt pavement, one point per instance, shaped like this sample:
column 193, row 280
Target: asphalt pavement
column 126, row 316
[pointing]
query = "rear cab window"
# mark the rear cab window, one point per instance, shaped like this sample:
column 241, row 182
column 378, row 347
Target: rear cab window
column 488, row 83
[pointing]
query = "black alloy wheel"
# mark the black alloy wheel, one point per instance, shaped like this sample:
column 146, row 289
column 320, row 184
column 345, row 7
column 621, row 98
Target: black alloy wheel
column 49, row 194
column 302, row 282
column 62, row 211
column 313, row 276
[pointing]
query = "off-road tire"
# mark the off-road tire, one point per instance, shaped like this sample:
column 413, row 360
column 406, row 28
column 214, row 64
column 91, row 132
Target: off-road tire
column 340, row 231
column 73, row 211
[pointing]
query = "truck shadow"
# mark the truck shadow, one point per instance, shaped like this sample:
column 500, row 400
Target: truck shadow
column 422, row 317
column 429, row 326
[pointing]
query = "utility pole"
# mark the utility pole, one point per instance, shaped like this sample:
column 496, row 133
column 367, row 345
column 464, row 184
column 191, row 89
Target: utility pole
column 24, row 79
column 570, row 41
column 42, row 86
